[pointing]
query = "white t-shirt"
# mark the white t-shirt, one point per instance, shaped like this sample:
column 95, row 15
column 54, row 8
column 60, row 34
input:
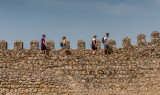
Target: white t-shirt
column 93, row 40
column 106, row 42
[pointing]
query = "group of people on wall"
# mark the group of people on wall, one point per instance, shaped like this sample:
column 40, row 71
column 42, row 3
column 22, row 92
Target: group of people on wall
column 44, row 46
column 105, row 43
column 63, row 45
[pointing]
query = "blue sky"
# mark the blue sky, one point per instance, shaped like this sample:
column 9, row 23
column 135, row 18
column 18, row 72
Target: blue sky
column 27, row 20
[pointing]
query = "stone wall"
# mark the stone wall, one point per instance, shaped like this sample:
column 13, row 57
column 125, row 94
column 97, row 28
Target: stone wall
column 130, row 70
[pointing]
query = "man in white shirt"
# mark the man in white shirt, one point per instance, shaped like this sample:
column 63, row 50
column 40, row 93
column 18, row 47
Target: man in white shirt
column 106, row 46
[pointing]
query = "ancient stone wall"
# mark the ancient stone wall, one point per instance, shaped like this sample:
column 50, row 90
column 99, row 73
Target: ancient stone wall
column 130, row 70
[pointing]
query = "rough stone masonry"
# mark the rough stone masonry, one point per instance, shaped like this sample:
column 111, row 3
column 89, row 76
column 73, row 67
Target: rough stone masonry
column 129, row 70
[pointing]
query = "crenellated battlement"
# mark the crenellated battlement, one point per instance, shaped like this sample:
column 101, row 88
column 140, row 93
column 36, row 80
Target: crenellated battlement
column 81, row 44
column 129, row 70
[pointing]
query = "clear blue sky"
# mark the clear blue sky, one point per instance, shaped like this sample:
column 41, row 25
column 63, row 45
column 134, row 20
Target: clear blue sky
column 27, row 20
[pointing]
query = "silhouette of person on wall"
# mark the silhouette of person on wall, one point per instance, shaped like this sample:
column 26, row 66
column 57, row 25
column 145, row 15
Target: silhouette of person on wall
column 43, row 46
column 94, row 46
column 106, row 46
column 63, row 45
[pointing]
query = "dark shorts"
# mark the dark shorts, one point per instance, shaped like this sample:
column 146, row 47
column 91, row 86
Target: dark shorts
column 94, row 48
column 43, row 47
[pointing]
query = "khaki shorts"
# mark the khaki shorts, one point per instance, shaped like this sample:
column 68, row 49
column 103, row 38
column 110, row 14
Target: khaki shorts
column 106, row 47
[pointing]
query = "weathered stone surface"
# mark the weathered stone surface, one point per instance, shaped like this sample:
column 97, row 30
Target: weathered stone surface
column 141, row 40
column 34, row 45
column 126, row 42
column 18, row 45
column 155, row 37
column 67, row 44
column 50, row 44
column 124, row 72
column 112, row 43
column 3, row 44
column 81, row 45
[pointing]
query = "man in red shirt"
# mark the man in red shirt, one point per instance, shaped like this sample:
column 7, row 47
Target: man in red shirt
column 43, row 45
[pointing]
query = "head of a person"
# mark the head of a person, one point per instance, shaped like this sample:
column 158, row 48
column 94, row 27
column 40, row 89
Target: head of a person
column 94, row 36
column 107, row 34
column 43, row 36
column 64, row 38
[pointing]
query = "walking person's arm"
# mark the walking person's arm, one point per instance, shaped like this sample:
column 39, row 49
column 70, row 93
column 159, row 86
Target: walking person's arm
column 44, row 43
column 105, row 39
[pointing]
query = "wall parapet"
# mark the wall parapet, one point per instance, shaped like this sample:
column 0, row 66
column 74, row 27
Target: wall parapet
column 3, row 45
column 81, row 44
column 18, row 45
column 112, row 44
column 34, row 45
column 50, row 44
column 141, row 40
column 126, row 42
column 155, row 37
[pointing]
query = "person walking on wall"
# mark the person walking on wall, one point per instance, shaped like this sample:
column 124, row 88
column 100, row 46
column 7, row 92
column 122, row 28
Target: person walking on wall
column 43, row 46
column 106, row 46
column 63, row 45
column 93, row 44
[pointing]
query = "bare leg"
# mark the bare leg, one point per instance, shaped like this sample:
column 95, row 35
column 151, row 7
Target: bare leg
column 39, row 52
column 107, row 50
column 45, row 52
column 104, row 52
column 94, row 52
column 64, row 51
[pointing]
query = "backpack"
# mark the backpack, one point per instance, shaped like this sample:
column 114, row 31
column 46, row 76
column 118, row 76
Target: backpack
column 61, row 44
column 103, row 40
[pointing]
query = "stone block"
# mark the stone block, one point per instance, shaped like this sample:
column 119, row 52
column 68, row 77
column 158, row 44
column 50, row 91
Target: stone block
column 3, row 45
column 34, row 45
column 126, row 42
column 67, row 44
column 155, row 37
column 18, row 45
column 141, row 40
column 50, row 44
column 81, row 44
column 112, row 44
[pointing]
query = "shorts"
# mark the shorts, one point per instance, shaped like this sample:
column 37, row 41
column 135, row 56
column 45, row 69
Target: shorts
column 43, row 47
column 106, row 47
column 93, row 47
